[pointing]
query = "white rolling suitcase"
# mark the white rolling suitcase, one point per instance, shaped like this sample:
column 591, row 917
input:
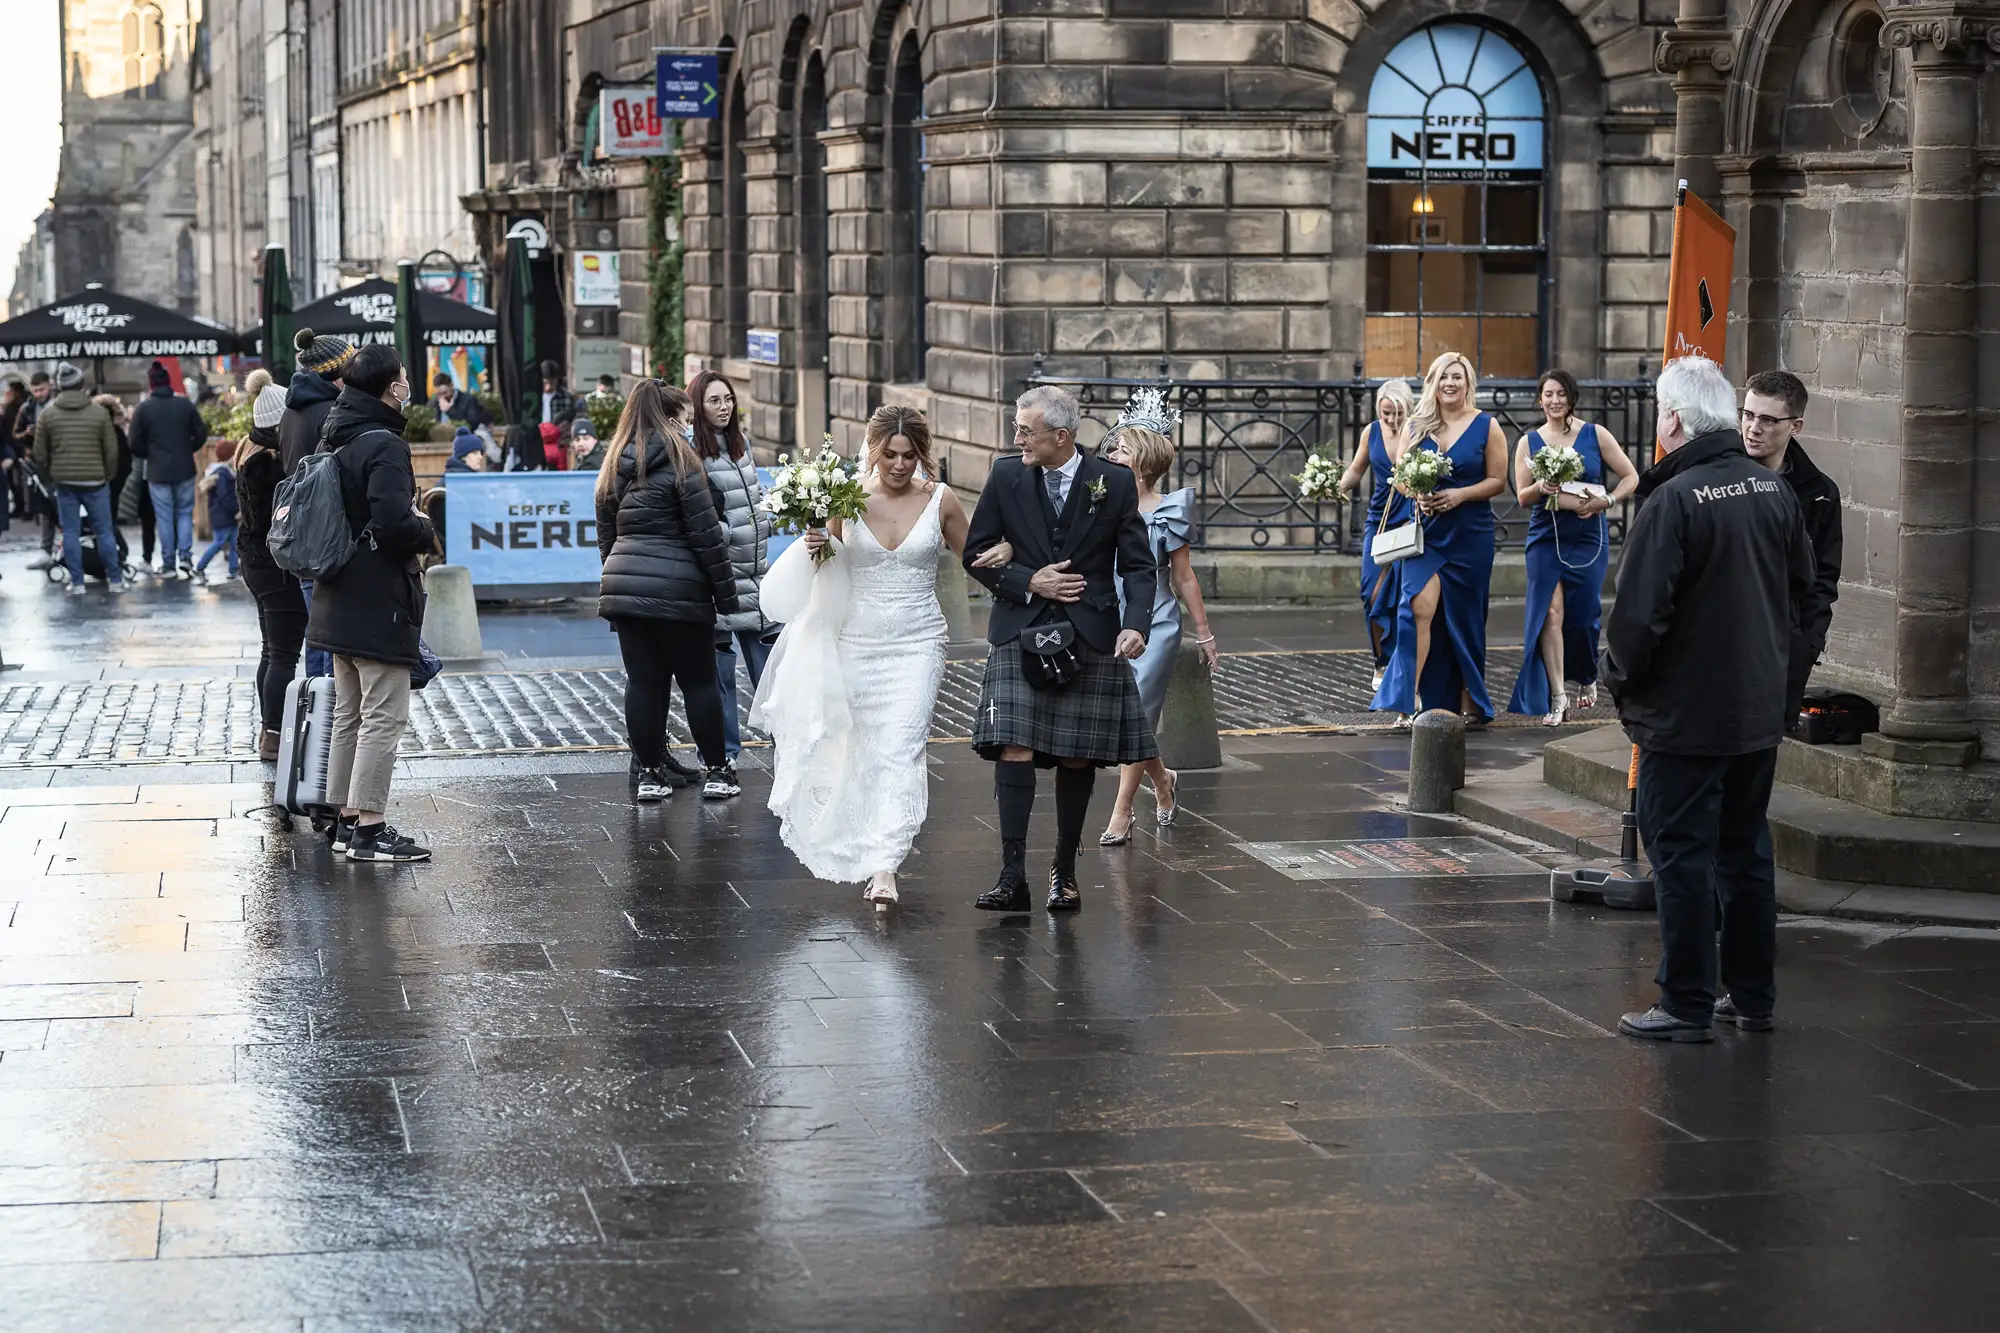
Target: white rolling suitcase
column 304, row 743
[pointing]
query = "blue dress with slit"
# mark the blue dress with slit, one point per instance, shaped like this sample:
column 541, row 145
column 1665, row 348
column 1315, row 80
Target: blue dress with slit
column 1568, row 551
column 1169, row 527
column 1387, row 507
column 1458, row 552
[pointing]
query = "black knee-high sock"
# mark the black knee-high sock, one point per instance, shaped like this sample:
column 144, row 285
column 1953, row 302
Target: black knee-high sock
column 1072, row 808
column 1014, row 790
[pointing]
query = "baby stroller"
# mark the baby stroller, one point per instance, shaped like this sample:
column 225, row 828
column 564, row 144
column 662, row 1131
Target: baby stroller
column 93, row 559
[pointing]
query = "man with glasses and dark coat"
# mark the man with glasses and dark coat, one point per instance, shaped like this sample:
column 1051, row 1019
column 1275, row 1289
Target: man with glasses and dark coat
column 1697, row 654
column 1073, row 524
column 1774, row 412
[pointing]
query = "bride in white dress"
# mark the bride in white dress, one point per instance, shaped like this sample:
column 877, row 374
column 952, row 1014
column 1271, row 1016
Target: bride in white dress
column 848, row 693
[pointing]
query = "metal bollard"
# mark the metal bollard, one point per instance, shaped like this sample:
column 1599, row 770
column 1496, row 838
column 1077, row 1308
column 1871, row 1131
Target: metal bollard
column 451, row 618
column 1437, row 761
column 1188, row 735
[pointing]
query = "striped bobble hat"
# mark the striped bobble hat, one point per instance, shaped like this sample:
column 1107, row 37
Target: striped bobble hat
column 322, row 353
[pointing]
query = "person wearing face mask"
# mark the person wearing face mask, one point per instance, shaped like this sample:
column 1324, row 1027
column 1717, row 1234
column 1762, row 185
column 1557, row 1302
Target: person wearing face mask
column 370, row 614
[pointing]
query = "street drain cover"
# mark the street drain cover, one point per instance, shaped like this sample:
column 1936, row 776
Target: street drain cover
column 1385, row 858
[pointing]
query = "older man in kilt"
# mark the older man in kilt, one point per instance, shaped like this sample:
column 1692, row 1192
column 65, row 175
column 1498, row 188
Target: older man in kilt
column 1058, row 693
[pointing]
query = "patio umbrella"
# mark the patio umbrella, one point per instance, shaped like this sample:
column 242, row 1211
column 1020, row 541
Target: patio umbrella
column 96, row 324
column 518, row 378
column 274, row 310
column 410, row 331
column 366, row 313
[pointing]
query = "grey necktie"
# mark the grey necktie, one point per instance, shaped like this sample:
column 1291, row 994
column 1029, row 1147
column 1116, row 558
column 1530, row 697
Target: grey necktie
column 1054, row 480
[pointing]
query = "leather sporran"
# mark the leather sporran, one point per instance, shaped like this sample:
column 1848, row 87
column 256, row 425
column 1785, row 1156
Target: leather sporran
column 1049, row 659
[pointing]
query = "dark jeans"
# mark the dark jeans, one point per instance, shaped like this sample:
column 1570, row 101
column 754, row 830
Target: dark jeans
column 319, row 662
column 75, row 502
column 755, row 653
column 173, row 512
column 147, row 526
column 659, row 653
column 1710, row 844
column 281, row 623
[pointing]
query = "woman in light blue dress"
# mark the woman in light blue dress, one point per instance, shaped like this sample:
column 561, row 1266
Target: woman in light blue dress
column 1567, row 553
column 1442, row 594
column 1170, row 526
column 1386, row 509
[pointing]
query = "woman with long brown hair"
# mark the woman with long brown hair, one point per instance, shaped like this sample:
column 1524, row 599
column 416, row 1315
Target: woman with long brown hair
column 725, row 452
column 851, row 797
column 666, row 575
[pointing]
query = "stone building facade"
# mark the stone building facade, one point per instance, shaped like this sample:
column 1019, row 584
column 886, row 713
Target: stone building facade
column 123, row 212
column 1856, row 147
column 919, row 196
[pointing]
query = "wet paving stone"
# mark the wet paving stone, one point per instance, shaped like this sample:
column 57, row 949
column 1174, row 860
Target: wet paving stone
column 597, row 1068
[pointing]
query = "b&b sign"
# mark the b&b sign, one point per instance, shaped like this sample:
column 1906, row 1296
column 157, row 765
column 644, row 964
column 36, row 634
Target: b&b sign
column 629, row 120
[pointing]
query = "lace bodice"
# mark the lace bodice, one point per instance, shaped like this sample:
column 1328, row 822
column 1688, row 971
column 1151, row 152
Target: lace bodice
column 895, row 592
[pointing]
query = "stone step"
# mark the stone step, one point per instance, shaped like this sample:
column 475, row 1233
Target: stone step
column 1519, row 802
column 1811, row 834
column 1272, row 578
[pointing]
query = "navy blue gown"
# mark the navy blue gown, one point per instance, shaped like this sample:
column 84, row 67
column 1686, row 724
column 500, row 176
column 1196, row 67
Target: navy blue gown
column 1387, row 508
column 1458, row 551
column 1569, row 551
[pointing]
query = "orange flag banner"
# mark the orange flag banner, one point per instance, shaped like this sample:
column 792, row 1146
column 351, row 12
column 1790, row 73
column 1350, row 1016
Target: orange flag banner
column 1698, row 280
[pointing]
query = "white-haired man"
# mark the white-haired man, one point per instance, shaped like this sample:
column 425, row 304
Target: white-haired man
column 1710, row 587
column 1056, row 694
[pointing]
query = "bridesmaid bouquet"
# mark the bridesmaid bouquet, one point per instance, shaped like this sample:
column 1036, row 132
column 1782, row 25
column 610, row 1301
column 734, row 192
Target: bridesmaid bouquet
column 807, row 494
column 1557, row 464
column 1320, row 482
column 1420, row 471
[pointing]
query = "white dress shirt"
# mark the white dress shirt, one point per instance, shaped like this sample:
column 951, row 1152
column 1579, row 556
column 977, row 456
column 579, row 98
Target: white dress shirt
column 1066, row 476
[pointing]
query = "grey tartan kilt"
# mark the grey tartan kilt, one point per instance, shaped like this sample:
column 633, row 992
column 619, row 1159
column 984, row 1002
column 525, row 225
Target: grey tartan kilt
column 1097, row 716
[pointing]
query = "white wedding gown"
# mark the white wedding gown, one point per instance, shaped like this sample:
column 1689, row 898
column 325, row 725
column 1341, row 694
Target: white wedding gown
column 847, row 699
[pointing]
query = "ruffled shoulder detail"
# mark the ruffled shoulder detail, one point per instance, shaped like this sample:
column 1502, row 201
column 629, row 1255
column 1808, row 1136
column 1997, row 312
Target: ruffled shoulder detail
column 1174, row 515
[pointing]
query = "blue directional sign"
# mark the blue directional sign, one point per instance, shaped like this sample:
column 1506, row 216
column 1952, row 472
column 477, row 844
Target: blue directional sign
column 687, row 86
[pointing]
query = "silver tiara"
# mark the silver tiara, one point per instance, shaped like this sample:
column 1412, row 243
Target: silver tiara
column 1148, row 410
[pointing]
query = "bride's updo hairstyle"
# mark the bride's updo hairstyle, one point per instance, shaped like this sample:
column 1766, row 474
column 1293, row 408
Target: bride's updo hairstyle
column 891, row 420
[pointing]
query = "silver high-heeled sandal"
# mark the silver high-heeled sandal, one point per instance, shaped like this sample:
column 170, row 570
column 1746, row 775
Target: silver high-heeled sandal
column 1558, row 710
column 881, row 890
column 1163, row 815
column 1110, row 839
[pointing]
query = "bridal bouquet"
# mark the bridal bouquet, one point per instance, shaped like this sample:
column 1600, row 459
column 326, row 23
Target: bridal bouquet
column 809, row 493
column 1557, row 464
column 1320, row 482
column 1420, row 471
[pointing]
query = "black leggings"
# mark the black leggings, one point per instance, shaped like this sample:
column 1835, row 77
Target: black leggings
column 281, row 622
column 657, row 654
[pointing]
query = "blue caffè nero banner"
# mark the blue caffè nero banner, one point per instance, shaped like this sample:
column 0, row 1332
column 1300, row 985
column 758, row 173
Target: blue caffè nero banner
column 523, row 533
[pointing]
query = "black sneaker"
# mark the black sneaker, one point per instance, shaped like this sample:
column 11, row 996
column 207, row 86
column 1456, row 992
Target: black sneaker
column 1726, row 1012
column 720, row 784
column 652, row 786
column 341, row 832
column 380, row 842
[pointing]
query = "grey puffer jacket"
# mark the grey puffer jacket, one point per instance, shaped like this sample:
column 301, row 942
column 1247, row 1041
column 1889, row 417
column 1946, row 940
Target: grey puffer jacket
column 737, row 491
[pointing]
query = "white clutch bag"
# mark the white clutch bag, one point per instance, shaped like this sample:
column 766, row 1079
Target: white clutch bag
column 1397, row 543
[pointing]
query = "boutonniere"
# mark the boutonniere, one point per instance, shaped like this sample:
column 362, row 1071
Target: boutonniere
column 1097, row 490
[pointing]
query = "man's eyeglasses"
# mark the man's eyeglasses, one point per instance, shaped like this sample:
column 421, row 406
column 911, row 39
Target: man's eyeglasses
column 1021, row 432
column 1762, row 422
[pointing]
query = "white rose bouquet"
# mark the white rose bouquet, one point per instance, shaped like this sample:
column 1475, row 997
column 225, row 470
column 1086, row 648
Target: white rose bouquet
column 1420, row 471
column 1556, row 464
column 1320, row 482
column 811, row 492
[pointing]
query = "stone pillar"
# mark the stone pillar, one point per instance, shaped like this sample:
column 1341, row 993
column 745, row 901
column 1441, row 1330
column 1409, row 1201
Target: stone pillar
column 1931, row 720
column 1700, row 52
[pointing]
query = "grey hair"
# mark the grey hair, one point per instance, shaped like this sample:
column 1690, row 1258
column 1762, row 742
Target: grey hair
column 1696, row 389
column 1059, row 406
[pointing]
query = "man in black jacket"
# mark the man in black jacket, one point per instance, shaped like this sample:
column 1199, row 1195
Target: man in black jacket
column 315, row 384
column 1774, row 412
column 1697, row 651
column 167, row 431
column 1073, row 523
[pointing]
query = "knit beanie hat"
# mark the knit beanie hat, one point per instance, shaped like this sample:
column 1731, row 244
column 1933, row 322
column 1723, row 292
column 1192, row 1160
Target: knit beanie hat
column 157, row 377
column 322, row 353
column 270, row 406
column 68, row 377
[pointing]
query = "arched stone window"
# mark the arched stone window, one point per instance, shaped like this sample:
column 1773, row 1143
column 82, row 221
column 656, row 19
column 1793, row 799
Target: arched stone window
column 1457, row 250
column 814, row 298
column 145, row 40
column 903, row 306
column 736, row 224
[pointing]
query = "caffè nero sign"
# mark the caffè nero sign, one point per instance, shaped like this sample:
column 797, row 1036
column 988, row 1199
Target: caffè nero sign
column 1455, row 101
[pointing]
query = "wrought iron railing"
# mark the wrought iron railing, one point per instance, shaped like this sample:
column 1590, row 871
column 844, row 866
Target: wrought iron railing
column 1241, row 443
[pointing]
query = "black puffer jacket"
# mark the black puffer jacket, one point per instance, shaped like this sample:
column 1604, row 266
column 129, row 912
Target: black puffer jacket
column 374, row 608
column 665, row 549
column 1819, row 501
column 308, row 401
column 259, row 469
column 167, row 431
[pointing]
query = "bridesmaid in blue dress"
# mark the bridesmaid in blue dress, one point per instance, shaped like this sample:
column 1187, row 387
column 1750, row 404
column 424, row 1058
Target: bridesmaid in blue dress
column 1567, row 553
column 1438, row 659
column 1170, row 526
column 1385, row 508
